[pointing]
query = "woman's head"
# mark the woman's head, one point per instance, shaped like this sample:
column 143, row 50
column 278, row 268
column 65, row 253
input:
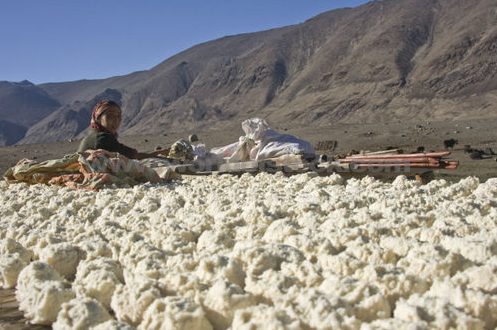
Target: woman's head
column 106, row 116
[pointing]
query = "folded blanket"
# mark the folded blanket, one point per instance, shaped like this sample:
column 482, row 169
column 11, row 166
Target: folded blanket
column 91, row 169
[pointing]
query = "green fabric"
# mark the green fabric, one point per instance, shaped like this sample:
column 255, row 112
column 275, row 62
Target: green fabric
column 101, row 140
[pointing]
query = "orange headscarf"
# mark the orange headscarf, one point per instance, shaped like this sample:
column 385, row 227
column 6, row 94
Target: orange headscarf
column 99, row 109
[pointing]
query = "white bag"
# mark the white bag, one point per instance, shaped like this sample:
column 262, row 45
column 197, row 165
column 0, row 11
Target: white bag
column 261, row 142
column 226, row 151
column 255, row 128
column 276, row 144
column 272, row 144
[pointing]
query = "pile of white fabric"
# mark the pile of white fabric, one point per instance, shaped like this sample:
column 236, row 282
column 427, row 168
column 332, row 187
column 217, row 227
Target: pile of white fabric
column 262, row 142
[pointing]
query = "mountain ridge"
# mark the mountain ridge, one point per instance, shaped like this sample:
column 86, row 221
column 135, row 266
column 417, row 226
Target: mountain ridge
column 390, row 60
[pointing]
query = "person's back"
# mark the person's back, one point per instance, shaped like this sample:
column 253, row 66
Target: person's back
column 104, row 140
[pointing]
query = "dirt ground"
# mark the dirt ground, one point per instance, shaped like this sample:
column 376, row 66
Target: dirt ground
column 408, row 136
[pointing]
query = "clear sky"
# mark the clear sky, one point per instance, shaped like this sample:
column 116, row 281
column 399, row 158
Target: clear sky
column 63, row 40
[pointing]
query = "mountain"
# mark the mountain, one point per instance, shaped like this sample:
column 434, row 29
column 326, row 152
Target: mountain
column 390, row 60
column 10, row 133
column 22, row 105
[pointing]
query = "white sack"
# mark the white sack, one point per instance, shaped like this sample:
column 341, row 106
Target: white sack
column 261, row 142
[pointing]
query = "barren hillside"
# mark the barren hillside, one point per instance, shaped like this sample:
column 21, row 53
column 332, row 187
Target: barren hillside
column 391, row 60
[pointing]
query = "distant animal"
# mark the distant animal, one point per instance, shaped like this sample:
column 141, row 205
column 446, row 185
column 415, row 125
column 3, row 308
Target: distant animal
column 467, row 148
column 450, row 143
column 420, row 149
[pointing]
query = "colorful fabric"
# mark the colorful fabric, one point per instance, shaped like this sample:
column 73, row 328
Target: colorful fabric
column 181, row 150
column 91, row 169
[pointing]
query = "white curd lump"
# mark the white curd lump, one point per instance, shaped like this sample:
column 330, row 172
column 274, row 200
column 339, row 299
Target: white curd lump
column 130, row 301
column 8, row 246
column 254, row 251
column 13, row 258
column 10, row 267
column 81, row 314
column 175, row 313
column 41, row 291
column 98, row 279
column 63, row 257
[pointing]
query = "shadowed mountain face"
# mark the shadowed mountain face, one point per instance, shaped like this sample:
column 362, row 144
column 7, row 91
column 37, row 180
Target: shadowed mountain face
column 22, row 105
column 10, row 133
column 384, row 61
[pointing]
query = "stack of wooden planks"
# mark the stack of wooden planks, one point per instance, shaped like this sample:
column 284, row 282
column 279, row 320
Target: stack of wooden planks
column 430, row 160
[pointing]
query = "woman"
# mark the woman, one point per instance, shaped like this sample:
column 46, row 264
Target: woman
column 105, row 121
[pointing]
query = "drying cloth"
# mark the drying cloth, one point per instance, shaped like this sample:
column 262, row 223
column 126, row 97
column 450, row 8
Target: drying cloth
column 91, row 169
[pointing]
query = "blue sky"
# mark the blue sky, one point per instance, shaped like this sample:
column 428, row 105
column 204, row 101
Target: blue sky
column 63, row 40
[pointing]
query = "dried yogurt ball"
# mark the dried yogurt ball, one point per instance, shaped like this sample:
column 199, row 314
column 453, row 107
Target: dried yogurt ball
column 9, row 246
column 265, row 317
column 175, row 313
column 98, row 279
column 10, row 267
column 37, row 272
column 94, row 249
column 438, row 313
column 41, row 292
column 81, row 314
column 222, row 300
column 130, row 301
column 213, row 267
column 63, row 257
column 38, row 240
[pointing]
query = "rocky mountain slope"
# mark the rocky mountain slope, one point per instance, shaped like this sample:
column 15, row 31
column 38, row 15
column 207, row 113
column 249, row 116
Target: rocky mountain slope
column 21, row 105
column 390, row 60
